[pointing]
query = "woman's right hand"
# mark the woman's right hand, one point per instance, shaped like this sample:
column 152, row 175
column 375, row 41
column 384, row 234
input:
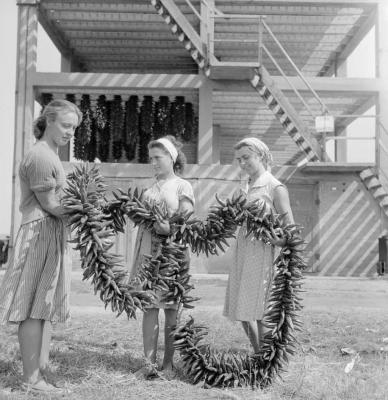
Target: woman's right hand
column 161, row 226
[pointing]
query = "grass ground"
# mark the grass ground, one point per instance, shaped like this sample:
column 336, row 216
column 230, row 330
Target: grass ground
column 96, row 354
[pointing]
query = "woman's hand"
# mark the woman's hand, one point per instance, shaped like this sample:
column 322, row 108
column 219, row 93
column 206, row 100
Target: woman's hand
column 161, row 226
column 275, row 240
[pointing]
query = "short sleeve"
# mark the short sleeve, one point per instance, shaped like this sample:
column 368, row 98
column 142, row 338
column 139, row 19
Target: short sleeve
column 40, row 173
column 185, row 191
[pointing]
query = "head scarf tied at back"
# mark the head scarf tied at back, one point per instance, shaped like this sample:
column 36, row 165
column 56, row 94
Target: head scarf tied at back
column 259, row 147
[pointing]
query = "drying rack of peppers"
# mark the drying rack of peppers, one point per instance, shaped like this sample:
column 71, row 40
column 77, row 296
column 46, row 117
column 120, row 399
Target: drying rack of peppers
column 96, row 220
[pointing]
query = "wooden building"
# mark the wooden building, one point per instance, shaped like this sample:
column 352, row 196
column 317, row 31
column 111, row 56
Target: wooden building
column 251, row 68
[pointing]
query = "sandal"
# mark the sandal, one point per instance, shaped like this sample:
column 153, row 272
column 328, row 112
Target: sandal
column 40, row 386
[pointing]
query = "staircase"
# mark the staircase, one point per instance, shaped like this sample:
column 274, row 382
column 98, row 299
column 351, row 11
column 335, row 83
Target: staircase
column 260, row 79
column 372, row 183
column 184, row 31
column 284, row 112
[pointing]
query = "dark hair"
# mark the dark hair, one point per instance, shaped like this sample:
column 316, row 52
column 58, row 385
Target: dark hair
column 179, row 164
column 50, row 112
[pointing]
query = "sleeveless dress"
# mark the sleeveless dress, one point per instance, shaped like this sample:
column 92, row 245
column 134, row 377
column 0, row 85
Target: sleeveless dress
column 167, row 194
column 251, row 272
column 37, row 281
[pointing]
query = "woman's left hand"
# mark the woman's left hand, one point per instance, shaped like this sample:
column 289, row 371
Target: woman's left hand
column 275, row 240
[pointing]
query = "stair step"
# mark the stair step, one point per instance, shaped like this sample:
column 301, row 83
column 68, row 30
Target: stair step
column 181, row 37
column 161, row 10
column 262, row 91
column 195, row 54
column 154, row 2
column 384, row 202
column 373, row 183
column 380, row 192
column 174, row 28
column 283, row 118
column 201, row 63
column 188, row 45
column 168, row 19
column 255, row 80
column 277, row 108
column 367, row 173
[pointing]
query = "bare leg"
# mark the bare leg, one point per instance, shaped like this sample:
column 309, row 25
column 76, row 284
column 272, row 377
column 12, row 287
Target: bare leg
column 30, row 340
column 260, row 332
column 250, row 329
column 151, row 333
column 169, row 325
column 45, row 349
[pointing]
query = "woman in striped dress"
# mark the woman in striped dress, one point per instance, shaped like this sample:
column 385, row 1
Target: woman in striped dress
column 251, row 272
column 35, row 289
column 174, row 195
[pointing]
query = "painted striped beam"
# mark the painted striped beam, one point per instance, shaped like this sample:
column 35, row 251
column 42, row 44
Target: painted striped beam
column 85, row 81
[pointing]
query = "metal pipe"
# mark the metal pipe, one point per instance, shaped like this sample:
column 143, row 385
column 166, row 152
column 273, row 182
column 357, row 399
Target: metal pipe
column 324, row 108
column 194, row 10
column 350, row 138
column 289, row 82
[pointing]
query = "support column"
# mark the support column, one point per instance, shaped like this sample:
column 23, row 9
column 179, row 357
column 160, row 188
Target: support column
column 66, row 66
column 205, row 109
column 382, row 72
column 341, row 146
column 24, row 100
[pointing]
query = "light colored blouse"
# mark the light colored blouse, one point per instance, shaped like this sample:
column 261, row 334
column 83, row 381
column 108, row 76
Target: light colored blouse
column 168, row 193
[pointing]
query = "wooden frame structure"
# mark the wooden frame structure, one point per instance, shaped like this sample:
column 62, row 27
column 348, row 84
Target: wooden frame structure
column 117, row 47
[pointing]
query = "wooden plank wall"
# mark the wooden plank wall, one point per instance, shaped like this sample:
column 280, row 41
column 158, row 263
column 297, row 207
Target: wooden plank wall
column 341, row 221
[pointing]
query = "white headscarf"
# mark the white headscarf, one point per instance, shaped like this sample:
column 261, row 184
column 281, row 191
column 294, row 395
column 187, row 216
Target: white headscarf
column 169, row 146
column 258, row 147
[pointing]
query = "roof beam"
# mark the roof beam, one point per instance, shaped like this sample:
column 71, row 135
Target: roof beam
column 286, row 3
column 54, row 81
column 321, row 84
column 352, row 44
column 194, row 81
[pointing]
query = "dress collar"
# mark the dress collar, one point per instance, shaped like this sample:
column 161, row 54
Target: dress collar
column 261, row 181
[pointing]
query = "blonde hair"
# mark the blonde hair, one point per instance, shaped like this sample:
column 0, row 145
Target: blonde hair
column 51, row 111
column 258, row 147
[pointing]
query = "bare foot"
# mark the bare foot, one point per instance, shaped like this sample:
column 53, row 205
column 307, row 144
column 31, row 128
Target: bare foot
column 40, row 386
column 168, row 372
column 146, row 372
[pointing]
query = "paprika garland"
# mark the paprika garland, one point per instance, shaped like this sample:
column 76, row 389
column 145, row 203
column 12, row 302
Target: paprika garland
column 96, row 221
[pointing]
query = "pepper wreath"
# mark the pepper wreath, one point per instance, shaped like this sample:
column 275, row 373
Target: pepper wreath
column 96, row 221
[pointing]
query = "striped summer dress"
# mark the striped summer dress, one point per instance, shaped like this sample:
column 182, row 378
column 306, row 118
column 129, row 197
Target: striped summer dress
column 251, row 272
column 37, row 282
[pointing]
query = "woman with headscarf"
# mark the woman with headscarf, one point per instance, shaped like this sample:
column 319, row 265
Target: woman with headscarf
column 173, row 195
column 251, row 272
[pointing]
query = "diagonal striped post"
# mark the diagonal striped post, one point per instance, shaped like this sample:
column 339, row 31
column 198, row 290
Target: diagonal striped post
column 24, row 112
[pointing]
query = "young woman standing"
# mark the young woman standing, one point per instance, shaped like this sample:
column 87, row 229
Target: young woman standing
column 35, row 289
column 175, row 195
column 251, row 272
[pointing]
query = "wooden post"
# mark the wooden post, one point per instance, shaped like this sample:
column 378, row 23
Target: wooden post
column 24, row 100
column 341, row 146
column 66, row 66
column 382, row 72
column 205, row 109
